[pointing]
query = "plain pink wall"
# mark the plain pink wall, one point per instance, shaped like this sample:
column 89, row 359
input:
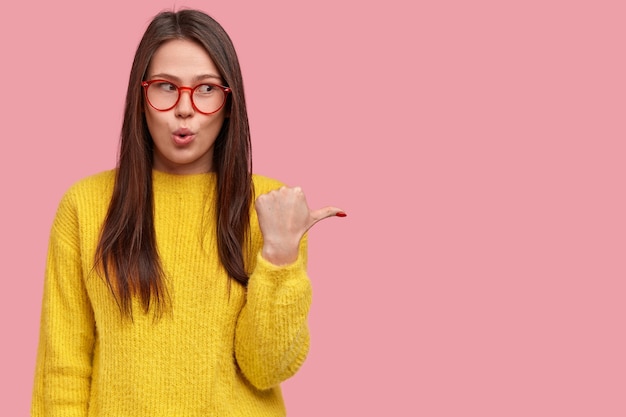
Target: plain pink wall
column 477, row 146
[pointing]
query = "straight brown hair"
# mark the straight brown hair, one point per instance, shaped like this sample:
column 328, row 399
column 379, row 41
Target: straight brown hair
column 127, row 252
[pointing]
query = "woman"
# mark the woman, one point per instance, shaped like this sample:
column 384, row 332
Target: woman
column 176, row 284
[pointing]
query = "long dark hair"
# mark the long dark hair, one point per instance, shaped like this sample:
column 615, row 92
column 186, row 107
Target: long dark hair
column 127, row 253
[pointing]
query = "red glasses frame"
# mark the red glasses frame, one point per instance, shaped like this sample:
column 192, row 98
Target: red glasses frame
column 180, row 89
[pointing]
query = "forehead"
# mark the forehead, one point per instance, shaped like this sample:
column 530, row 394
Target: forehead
column 183, row 59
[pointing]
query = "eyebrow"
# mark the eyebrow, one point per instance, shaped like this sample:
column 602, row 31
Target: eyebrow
column 195, row 79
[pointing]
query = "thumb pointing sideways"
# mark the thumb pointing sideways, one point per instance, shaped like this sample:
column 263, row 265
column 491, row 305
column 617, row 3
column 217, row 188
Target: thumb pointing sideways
column 324, row 213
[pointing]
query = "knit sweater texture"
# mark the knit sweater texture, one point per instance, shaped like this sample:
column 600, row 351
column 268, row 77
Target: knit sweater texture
column 221, row 349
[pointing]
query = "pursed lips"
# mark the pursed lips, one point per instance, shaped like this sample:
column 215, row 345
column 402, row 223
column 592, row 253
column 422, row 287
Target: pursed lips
column 182, row 132
column 183, row 136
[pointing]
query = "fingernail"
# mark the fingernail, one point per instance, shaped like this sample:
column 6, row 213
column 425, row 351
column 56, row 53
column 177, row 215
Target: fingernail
column 341, row 214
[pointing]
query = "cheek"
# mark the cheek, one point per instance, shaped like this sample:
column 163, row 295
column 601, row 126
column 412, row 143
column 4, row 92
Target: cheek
column 153, row 119
column 216, row 123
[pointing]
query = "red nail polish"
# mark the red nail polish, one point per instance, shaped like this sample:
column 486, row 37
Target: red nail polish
column 341, row 214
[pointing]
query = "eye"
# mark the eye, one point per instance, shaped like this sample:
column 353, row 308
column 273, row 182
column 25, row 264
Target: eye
column 205, row 89
column 165, row 86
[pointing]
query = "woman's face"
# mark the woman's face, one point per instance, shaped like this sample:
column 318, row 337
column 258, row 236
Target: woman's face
column 183, row 137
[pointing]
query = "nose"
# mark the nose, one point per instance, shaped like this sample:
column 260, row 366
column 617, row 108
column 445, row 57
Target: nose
column 184, row 107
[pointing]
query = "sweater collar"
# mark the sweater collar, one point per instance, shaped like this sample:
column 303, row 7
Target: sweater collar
column 164, row 181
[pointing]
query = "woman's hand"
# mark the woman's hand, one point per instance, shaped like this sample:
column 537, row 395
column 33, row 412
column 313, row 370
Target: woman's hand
column 284, row 217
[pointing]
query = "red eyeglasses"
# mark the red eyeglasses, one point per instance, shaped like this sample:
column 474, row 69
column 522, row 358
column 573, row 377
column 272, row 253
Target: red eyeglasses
column 206, row 98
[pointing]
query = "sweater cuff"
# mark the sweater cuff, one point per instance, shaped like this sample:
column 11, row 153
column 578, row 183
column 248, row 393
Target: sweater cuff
column 280, row 273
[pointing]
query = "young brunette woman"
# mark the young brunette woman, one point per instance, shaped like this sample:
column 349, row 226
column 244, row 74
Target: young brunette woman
column 176, row 284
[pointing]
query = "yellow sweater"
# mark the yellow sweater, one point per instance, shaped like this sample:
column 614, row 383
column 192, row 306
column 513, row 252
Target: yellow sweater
column 215, row 354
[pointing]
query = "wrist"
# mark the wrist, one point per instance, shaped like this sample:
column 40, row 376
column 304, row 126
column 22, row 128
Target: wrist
column 278, row 255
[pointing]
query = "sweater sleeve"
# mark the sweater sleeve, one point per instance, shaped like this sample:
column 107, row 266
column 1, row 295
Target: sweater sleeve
column 272, row 335
column 66, row 338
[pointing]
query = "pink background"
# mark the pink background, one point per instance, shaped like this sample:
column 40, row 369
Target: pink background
column 477, row 146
